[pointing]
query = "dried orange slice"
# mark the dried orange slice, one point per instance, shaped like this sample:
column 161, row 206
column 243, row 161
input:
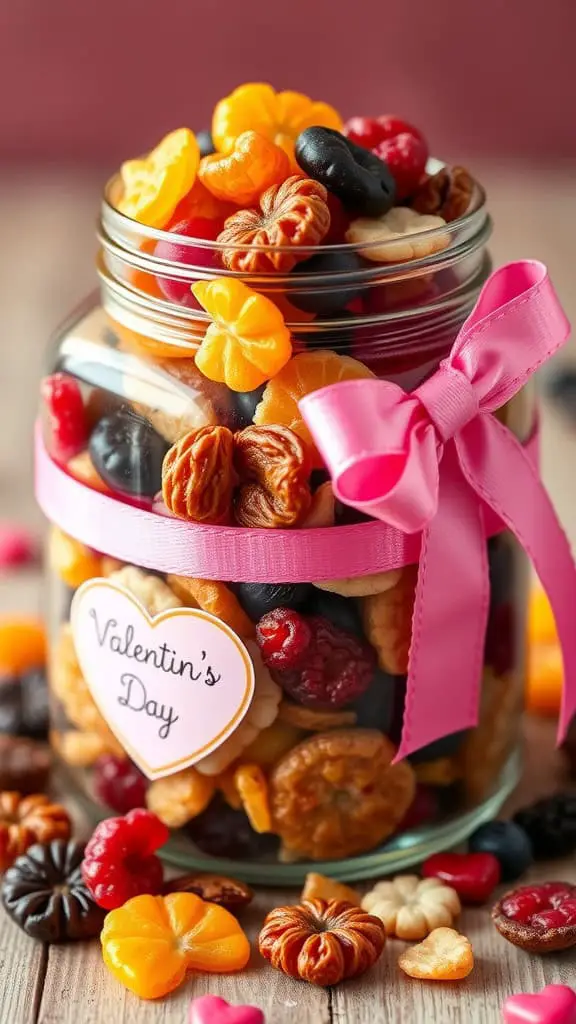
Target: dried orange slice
column 251, row 167
column 154, row 186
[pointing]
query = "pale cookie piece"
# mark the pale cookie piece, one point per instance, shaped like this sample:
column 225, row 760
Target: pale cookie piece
column 387, row 618
column 180, row 797
column 444, row 956
column 153, row 594
column 401, row 232
column 362, row 586
column 410, row 907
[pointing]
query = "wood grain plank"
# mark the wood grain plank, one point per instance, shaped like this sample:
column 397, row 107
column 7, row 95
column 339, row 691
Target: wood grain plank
column 22, row 969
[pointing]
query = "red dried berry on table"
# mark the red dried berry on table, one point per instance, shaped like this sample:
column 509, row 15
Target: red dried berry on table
column 405, row 156
column 284, row 638
column 336, row 669
column 68, row 429
column 175, row 289
column 119, row 784
column 120, row 860
column 538, row 918
column 474, row 876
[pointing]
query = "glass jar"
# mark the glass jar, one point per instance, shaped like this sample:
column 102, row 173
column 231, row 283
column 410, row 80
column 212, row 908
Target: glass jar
column 320, row 766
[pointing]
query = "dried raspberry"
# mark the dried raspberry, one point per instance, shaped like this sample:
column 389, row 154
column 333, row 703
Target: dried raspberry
column 284, row 637
column 119, row 784
column 364, row 131
column 405, row 156
column 66, row 415
column 391, row 126
column 336, row 670
column 539, row 918
column 120, row 862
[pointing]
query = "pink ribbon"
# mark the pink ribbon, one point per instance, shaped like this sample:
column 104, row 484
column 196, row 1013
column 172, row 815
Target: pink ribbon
column 432, row 461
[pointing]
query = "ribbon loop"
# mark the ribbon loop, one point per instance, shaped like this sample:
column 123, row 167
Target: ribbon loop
column 449, row 399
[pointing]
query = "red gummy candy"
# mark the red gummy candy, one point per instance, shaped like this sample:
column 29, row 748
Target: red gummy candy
column 67, row 422
column 119, row 784
column 473, row 875
column 119, row 860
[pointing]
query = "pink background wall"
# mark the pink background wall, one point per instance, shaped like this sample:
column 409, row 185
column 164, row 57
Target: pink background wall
column 99, row 79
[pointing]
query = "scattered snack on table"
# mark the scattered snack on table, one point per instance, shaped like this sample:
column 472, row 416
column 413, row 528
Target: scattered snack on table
column 189, row 935
column 411, row 907
column 540, row 917
column 444, row 955
column 322, row 942
column 120, row 858
column 508, row 842
column 318, row 887
column 474, row 876
column 550, row 825
column 213, row 1010
column 26, row 820
column 555, row 1004
column 226, row 892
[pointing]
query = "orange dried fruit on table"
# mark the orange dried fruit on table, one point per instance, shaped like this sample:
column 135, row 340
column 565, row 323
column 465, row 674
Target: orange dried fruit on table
column 444, row 955
column 279, row 116
column 214, row 597
column 152, row 942
column 252, row 787
column 305, row 373
column 198, row 476
column 23, row 644
column 387, row 618
column 318, row 887
column 274, row 468
column 246, row 171
column 153, row 186
column 72, row 561
column 247, row 342
column 292, row 217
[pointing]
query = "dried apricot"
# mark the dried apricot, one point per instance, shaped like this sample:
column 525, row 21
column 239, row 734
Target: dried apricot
column 306, row 372
column 388, row 621
column 153, row 187
column 247, row 342
column 444, row 955
column 22, row 644
column 337, row 794
column 252, row 786
column 214, row 597
column 274, row 469
column 322, row 510
column 246, row 171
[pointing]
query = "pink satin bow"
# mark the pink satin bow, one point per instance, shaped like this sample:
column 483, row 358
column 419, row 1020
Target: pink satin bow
column 431, row 461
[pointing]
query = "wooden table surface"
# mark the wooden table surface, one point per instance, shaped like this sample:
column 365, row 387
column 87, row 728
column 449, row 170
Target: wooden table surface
column 46, row 265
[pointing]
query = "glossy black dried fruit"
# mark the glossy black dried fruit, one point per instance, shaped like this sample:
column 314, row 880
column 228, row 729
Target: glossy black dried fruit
column 127, row 453
column 361, row 180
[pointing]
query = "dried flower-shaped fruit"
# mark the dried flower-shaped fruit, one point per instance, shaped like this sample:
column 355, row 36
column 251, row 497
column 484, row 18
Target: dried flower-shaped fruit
column 400, row 235
column 337, row 794
column 252, row 786
column 280, row 116
column 120, row 858
column 247, row 342
column 214, row 597
column 293, row 215
column 305, row 373
column 153, row 187
column 178, row 798
column 321, row 942
column 261, row 713
column 274, row 469
column 198, row 478
column 152, row 593
column 28, row 820
column 43, row 892
column 72, row 561
column 388, row 621
column 226, row 892
column 539, row 917
column 444, row 956
column 185, row 934
column 362, row 586
column 411, row 907
column 246, row 171
column 314, row 719
column 446, row 194
column 318, row 887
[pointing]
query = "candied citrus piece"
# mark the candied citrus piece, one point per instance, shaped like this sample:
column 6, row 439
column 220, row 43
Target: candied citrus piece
column 200, row 203
column 248, row 342
column 280, row 116
column 154, row 186
column 444, row 955
column 318, row 887
column 22, row 644
column 252, row 787
column 306, row 372
column 213, row 597
column 241, row 176
column 71, row 560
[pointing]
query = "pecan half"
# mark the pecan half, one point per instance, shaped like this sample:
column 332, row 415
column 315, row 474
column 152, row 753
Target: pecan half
column 447, row 193
column 226, row 892
column 198, row 477
column 274, row 468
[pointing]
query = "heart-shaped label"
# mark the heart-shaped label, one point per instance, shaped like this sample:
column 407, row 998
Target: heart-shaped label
column 172, row 688
column 555, row 1004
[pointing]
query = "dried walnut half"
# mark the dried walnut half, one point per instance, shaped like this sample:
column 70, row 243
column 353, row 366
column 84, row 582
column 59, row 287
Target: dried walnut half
column 322, row 942
column 293, row 215
column 447, row 194
column 274, row 467
column 197, row 476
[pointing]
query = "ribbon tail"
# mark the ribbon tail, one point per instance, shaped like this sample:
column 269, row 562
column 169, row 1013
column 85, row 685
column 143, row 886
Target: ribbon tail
column 498, row 469
column 445, row 665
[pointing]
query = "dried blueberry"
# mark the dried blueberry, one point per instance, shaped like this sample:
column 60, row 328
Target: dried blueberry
column 342, row 611
column 205, row 143
column 245, row 403
column 445, row 747
column 360, row 179
column 508, row 843
column 259, row 598
column 330, row 296
column 127, row 453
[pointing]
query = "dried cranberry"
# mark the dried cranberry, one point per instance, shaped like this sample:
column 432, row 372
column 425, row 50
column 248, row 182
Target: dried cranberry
column 119, row 784
column 68, row 430
column 336, row 669
column 405, row 156
column 120, row 860
column 284, row 638
column 539, row 918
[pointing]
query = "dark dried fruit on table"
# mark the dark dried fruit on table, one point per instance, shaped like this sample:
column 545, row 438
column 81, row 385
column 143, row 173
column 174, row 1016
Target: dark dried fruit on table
column 273, row 466
column 447, row 194
column 28, row 820
column 550, row 824
column 118, row 783
column 24, row 764
column 474, row 876
column 259, row 598
column 508, row 843
column 361, row 181
column 332, row 671
column 198, row 477
column 321, row 942
column 43, row 892
column 127, row 454
column 226, row 892
column 539, row 918
column 120, row 860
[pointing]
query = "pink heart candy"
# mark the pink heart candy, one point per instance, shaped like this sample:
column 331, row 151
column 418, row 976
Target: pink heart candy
column 555, row 1004
column 213, row 1010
